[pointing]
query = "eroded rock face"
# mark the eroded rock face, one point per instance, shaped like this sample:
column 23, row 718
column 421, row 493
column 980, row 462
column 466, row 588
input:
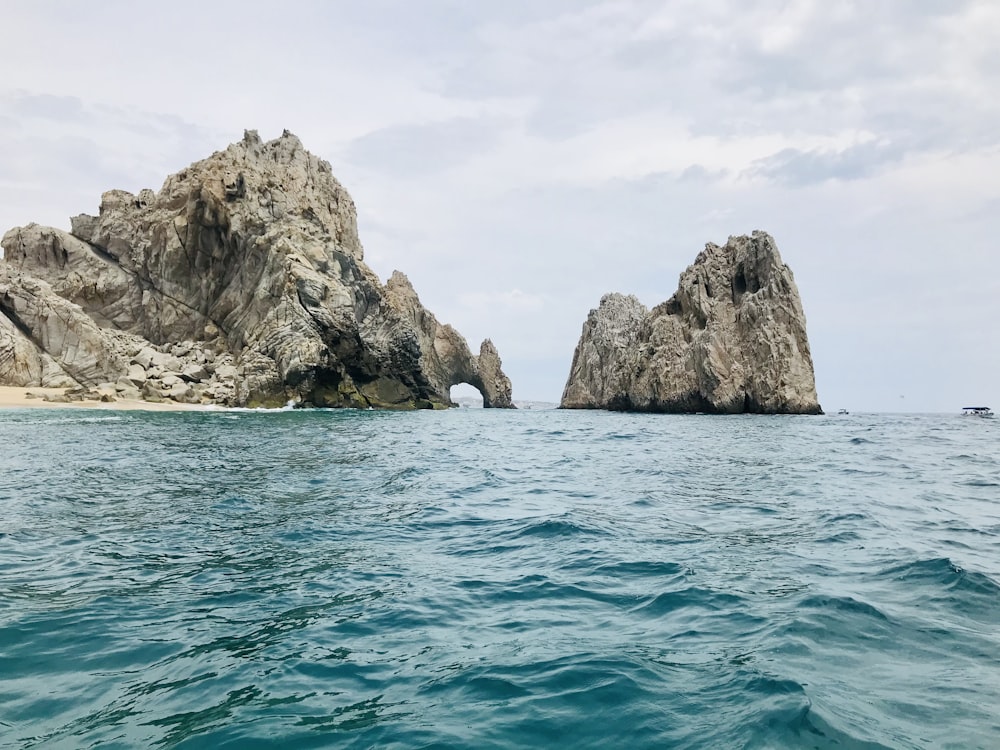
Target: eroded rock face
column 445, row 356
column 732, row 339
column 245, row 269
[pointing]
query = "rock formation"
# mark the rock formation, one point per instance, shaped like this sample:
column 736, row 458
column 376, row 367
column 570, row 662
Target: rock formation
column 241, row 282
column 732, row 339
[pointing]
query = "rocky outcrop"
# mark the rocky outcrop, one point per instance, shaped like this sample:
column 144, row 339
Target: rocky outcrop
column 445, row 357
column 242, row 282
column 732, row 339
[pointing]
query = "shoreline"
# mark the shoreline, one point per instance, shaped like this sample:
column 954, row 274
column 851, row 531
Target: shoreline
column 16, row 397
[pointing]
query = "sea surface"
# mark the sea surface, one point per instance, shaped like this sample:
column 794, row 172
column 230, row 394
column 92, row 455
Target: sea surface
column 498, row 579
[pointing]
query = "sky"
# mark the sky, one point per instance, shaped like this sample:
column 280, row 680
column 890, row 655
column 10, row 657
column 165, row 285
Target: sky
column 518, row 160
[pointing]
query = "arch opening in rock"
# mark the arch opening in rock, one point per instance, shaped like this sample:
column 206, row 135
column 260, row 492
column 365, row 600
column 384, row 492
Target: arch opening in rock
column 466, row 396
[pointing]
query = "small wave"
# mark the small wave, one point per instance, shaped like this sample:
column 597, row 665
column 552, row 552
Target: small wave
column 943, row 572
column 842, row 537
column 541, row 589
column 554, row 529
column 805, row 727
column 401, row 481
column 842, row 620
column 480, row 685
column 643, row 569
column 233, row 502
column 843, row 604
column 859, row 441
column 357, row 716
column 694, row 596
column 846, row 517
column 80, row 420
column 863, row 473
column 291, row 405
column 981, row 483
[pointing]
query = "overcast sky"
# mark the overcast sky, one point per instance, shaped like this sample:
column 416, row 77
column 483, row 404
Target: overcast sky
column 517, row 160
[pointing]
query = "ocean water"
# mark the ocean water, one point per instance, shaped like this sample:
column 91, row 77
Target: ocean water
column 496, row 579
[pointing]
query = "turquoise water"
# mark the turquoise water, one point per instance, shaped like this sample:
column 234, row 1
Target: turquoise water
column 495, row 579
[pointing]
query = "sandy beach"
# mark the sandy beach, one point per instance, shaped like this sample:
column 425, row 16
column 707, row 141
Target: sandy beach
column 11, row 398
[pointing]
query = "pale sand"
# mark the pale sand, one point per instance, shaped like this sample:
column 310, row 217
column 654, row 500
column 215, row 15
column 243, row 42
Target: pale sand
column 17, row 398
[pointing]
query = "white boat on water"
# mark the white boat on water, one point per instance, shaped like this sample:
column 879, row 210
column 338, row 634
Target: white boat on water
column 843, row 411
column 977, row 411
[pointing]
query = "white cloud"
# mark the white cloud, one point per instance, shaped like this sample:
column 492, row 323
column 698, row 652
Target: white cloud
column 513, row 301
column 59, row 153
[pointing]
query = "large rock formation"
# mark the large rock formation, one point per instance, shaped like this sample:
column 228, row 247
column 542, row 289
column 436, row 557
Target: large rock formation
column 241, row 282
column 732, row 339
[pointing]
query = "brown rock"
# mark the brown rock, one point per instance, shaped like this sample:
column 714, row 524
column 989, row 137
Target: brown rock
column 253, row 254
column 732, row 339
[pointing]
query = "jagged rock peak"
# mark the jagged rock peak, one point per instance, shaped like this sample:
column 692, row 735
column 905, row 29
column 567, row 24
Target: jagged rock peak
column 731, row 339
column 446, row 358
column 494, row 385
column 250, row 256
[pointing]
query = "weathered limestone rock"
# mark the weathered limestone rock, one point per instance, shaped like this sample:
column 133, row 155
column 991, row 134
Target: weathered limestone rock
column 601, row 365
column 106, row 392
column 49, row 325
column 246, row 265
column 496, row 387
column 20, row 362
column 445, row 356
column 181, row 392
column 732, row 339
column 136, row 375
column 194, row 372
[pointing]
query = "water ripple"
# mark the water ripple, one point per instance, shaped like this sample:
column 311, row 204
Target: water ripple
column 484, row 579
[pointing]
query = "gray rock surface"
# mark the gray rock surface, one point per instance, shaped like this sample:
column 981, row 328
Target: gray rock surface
column 244, row 275
column 732, row 339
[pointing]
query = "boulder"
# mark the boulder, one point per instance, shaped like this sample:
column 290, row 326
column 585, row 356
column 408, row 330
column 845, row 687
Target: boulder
column 152, row 390
column 20, row 360
column 194, row 372
column 104, row 392
column 180, row 392
column 136, row 374
column 144, row 358
column 39, row 324
column 225, row 372
column 732, row 339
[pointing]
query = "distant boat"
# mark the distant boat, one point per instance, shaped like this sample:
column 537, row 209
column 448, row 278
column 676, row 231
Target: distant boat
column 843, row 411
column 977, row 411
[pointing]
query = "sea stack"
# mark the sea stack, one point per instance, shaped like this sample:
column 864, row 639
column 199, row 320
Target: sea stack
column 732, row 339
column 241, row 282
